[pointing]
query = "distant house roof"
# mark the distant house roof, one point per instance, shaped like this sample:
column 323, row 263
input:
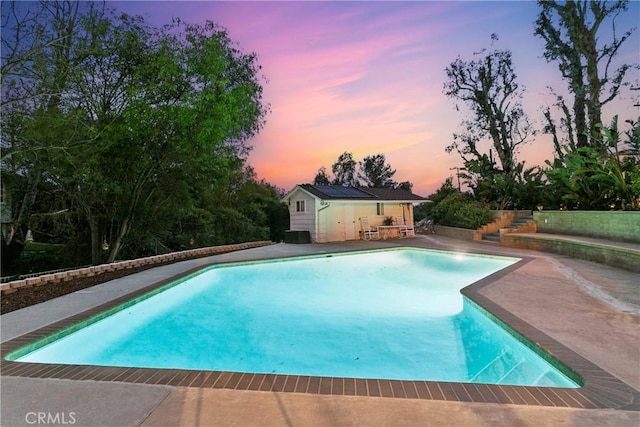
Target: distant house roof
column 337, row 192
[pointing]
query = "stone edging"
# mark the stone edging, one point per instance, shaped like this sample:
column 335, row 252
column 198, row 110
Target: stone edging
column 49, row 279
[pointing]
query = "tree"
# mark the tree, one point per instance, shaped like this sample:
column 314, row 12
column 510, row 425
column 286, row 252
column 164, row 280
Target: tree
column 40, row 45
column 462, row 211
column 344, row 171
column 604, row 175
column 405, row 185
column 372, row 171
column 261, row 203
column 321, row 178
column 375, row 172
column 195, row 99
column 489, row 88
column 139, row 117
column 572, row 34
column 423, row 210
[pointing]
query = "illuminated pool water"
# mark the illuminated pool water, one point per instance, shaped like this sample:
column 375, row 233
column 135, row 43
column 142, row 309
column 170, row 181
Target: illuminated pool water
column 393, row 314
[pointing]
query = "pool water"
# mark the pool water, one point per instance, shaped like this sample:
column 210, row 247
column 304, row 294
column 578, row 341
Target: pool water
column 392, row 314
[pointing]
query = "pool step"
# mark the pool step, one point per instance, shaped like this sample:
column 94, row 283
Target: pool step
column 526, row 373
column 513, row 374
column 494, row 369
column 505, row 370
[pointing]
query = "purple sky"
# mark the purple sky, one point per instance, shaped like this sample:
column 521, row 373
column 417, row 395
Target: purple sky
column 367, row 77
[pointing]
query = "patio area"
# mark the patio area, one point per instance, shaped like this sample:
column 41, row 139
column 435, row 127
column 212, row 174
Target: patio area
column 592, row 309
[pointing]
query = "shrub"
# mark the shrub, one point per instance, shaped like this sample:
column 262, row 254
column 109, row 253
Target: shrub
column 423, row 210
column 38, row 257
column 460, row 210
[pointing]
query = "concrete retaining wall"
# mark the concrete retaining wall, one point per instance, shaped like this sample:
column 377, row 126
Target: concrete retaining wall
column 614, row 225
column 49, row 279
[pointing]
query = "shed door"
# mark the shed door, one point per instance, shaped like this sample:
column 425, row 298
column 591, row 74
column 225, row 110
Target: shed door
column 335, row 223
column 349, row 223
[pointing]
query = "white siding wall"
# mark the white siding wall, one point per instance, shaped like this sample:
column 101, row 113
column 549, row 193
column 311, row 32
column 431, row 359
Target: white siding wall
column 331, row 218
column 323, row 220
column 303, row 220
column 390, row 209
column 370, row 210
column 334, row 222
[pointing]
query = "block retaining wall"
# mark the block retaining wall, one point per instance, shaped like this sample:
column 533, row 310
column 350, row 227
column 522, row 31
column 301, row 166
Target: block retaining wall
column 50, row 279
column 455, row 233
column 600, row 252
column 502, row 218
column 614, row 225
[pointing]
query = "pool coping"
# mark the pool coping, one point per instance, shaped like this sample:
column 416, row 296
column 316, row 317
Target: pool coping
column 601, row 390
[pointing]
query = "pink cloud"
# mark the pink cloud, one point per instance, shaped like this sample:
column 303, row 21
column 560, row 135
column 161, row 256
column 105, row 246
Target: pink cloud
column 367, row 77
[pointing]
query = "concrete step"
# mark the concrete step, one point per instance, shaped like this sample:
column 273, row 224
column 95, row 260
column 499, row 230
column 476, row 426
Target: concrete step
column 491, row 237
column 520, row 222
column 523, row 220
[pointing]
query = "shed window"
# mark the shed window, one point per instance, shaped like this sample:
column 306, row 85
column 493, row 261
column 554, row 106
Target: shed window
column 300, row 206
column 380, row 208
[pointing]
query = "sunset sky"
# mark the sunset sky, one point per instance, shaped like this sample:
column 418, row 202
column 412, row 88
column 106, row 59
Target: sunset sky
column 367, row 77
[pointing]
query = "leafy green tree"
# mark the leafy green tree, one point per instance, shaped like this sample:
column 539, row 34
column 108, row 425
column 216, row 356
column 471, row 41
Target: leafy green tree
column 322, row 178
column 404, row 185
column 373, row 171
column 376, row 172
column 603, row 175
column 489, row 88
column 524, row 188
column 40, row 45
column 344, row 171
column 423, row 210
column 126, row 120
column 460, row 210
column 261, row 203
column 183, row 97
column 573, row 36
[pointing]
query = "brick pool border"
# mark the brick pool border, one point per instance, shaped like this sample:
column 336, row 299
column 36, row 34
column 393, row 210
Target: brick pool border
column 601, row 390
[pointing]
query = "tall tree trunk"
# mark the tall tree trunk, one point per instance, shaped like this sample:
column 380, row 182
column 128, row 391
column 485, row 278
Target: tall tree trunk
column 594, row 109
column 580, row 120
column 117, row 244
column 97, row 256
column 28, row 200
column 127, row 221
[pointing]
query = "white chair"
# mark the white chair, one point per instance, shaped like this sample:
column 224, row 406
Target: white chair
column 367, row 231
column 405, row 230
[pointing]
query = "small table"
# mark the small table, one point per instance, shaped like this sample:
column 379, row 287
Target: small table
column 385, row 230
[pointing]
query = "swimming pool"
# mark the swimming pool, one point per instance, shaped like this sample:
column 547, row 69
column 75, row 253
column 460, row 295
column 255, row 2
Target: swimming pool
column 395, row 314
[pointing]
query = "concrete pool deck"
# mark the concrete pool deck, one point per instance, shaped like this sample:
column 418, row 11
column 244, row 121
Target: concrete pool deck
column 592, row 309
